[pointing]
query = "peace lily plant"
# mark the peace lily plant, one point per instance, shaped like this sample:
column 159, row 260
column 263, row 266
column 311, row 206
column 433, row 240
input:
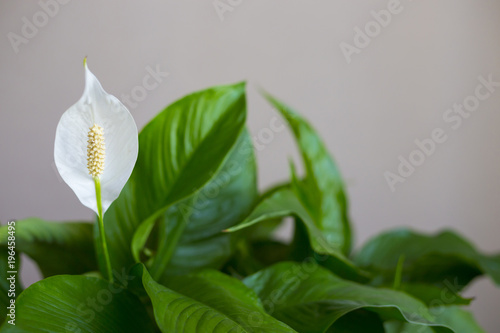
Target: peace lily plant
column 184, row 241
column 97, row 124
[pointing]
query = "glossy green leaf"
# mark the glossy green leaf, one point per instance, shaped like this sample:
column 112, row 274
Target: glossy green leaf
column 460, row 320
column 283, row 202
column 322, row 192
column 445, row 259
column 358, row 321
column 244, row 261
column 279, row 203
column 74, row 303
column 269, row 252
column 193, row 239
column 310, row 298
column 57, row 247
column 180, row 151
column 209, row 301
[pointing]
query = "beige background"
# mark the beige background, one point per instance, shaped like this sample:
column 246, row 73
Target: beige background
column 369, row 111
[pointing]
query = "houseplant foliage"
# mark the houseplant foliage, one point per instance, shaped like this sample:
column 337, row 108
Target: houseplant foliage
column 191, row 248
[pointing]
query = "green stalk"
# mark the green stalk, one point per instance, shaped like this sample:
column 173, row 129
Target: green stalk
column 100, row 215
column 398, row 276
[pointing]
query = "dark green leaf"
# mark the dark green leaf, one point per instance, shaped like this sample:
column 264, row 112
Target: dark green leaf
column 180, row 151
column 244, row 261
column 269, row 252
column 73, row 303
column 322, row 193
column 57, row 248
column 284, row 202
column 310, row 298
column 209, row 301
column 457, row 318
column 10, row 285
column 445, row 259
column 433, row 295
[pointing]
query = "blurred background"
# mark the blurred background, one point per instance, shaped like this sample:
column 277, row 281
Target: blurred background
column 372, row 77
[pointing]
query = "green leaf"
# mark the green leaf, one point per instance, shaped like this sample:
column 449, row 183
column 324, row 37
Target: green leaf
column 460, row 320
column 245, row 261
column 358, row 321
column 322, row 192
column 209, row 301
column 199, row 220
column 310, row 298
column 269, row 252
column 283, row 202
column 277, row 204
column 457, row 318
column 57, row 247
column 433, row 295
column 180, row 151
column 74, row 303
column 445, row 259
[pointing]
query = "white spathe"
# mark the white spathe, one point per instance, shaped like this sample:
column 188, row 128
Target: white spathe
column 120, row 139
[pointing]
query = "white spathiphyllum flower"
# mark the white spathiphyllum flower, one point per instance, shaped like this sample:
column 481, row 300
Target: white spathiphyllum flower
column 95, row 151
column 96, row 138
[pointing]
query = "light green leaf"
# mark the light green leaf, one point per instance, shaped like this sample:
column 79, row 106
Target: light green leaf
column 322, row 192
column 74, row 303
column 460, row 320
column 444, row 259
column 283, row 202
column 180, row 151
column 310, row 298
column 209, row 301
column 57, row 247
column 99, row 111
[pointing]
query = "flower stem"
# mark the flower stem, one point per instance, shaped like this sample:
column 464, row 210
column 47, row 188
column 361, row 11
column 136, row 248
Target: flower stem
column 100, row 215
